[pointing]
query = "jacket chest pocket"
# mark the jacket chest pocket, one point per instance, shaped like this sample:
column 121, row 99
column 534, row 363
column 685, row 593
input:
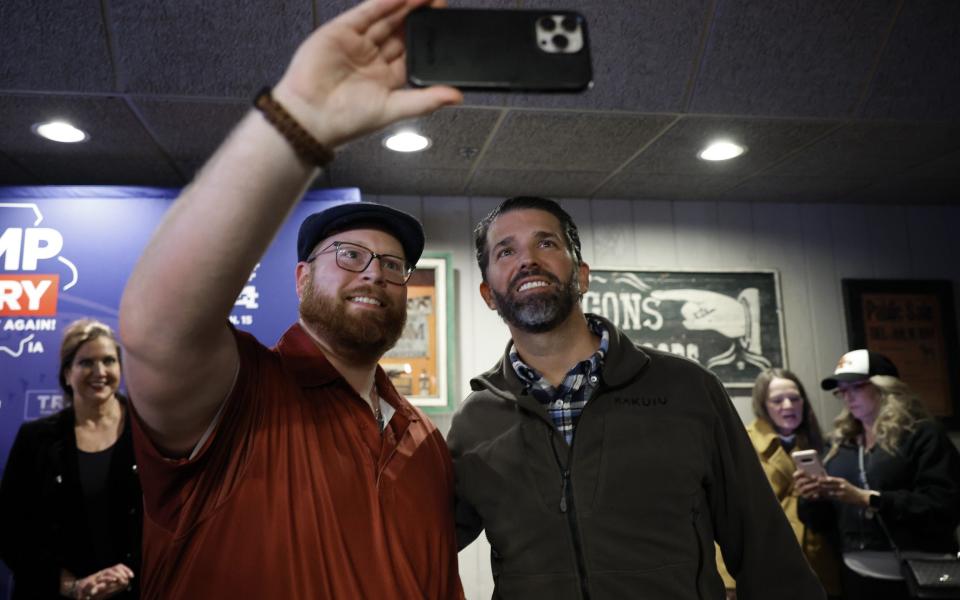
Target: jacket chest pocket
column 651, row 465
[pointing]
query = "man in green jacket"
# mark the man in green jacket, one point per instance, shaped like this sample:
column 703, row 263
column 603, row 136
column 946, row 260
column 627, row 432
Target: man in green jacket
column 600, row 469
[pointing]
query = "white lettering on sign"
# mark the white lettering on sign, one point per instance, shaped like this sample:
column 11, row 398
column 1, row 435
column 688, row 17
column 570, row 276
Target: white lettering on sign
column 22, row 249
column 12, row 291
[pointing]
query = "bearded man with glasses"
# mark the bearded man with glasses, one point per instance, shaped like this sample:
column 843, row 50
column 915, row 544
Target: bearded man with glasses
column 321, row 479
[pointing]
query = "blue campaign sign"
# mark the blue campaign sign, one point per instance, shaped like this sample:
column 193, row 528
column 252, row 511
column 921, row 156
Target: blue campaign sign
column 66, row 253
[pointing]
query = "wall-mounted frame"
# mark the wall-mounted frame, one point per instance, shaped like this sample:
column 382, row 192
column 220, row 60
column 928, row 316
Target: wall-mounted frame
column 914, row 324
column 421, row 365
column 730, row 322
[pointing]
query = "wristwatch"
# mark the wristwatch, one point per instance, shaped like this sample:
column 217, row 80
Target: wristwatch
column 873, row 502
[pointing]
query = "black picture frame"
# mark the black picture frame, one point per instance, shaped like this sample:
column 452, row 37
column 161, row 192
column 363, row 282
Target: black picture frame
column 913, row 322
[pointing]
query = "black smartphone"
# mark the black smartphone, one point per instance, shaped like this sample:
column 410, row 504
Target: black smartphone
column 494, row 49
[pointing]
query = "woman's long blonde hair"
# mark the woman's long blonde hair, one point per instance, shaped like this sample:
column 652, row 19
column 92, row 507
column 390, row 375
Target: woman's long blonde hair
column 900, row 409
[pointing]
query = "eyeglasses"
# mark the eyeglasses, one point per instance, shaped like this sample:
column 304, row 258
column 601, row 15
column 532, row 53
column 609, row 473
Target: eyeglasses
column 840, row 392
column 356, row 258
column 779, row 400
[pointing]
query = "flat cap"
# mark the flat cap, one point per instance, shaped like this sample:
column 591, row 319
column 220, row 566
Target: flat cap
column 357, row 215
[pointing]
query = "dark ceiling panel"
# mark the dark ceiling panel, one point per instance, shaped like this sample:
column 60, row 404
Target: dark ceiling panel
column 794, row 189
column 12, row 173
column 633, row 185
column 190, row 131
column 643, row 51
column 119, row 150
column 766, row 140
column 911, row 190
column 872, row 149
column 195, row 47
column 399, row 181
column 457, row 134
column 160, row 84
column 919, row 76
column 54, row 46
column 790, row 58
column 558, row 140
column 553, row 184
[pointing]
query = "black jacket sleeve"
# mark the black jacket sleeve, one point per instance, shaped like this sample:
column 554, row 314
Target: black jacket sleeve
column 22, row 545
column 933, row 500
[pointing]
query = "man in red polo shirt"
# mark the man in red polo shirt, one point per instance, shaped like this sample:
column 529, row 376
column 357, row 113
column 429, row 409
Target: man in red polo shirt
column 298, row 471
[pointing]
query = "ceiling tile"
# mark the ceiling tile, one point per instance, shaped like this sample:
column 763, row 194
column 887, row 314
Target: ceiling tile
column 643, row 54
column 213, row 49
column 766, row 140
column 190, row 131
column 399, row 180
column 765, row 188
column 642, row 186
column 553, row 184
column 790, row 58
column 558, row 140
column 872, row 149
column 911, row 190
column 457, row 134
column 919, row 75
column 12, row 173
column 119, row 150
column 54, row 46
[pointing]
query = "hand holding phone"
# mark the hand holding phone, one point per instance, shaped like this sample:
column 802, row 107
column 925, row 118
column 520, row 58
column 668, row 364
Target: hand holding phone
column 808, row 461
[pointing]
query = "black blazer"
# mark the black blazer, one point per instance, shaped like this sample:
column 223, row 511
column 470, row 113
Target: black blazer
column 43, row 521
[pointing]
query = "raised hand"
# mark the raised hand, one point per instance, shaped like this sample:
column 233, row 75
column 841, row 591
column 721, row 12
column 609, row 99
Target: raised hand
column 347, row 78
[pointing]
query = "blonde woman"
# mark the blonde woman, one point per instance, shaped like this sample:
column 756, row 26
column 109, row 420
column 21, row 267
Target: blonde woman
column 890, row 460
column 70, row 500
column 785, row 422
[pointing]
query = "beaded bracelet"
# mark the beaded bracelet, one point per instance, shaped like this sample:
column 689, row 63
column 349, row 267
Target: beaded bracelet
column 305, row 145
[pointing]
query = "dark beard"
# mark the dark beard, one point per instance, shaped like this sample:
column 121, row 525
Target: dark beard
column 542, row 311
column 361, row 338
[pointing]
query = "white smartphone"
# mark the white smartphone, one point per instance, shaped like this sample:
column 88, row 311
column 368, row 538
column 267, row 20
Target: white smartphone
column 808, row 461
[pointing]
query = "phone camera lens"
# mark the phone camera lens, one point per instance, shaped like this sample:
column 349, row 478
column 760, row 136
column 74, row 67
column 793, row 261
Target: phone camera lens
column 560, row 41
column 569, row 24
column 547, row 24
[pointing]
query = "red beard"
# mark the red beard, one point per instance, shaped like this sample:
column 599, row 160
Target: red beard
column 362, row 337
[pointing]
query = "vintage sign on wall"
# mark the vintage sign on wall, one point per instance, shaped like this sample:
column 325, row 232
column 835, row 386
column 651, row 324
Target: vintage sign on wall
column 728, row 321
column 912, row 322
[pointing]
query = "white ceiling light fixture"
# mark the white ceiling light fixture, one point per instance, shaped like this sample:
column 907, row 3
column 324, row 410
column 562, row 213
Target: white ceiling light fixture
column 721, row 150
column 407, row 141
column 60, row 131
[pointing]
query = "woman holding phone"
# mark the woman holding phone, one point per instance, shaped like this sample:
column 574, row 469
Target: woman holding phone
column 890, row 466
column 785, row 422
column 70, row 499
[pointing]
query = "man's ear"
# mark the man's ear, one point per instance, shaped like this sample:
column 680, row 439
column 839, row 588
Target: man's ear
column 301, row 274
column 487, row 295
column 584, row 277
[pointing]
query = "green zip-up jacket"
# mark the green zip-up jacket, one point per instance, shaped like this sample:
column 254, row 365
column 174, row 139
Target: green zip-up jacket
column 659, row 468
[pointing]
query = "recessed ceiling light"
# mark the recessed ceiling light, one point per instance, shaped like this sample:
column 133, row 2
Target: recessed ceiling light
column 407, row 141
column 60, row 131
column 721, row 150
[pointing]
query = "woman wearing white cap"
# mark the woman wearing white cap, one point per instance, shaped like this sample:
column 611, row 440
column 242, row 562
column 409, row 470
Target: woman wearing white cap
column 890, row 465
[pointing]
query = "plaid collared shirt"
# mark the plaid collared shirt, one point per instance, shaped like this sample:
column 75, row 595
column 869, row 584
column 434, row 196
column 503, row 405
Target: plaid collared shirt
column 565, row 402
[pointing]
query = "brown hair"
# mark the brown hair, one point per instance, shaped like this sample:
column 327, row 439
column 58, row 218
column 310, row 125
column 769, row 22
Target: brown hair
column 808, row 433
column 75, row 335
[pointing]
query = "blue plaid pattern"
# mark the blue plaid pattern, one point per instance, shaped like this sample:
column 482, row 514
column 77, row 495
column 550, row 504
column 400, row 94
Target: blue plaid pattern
column 565, row 402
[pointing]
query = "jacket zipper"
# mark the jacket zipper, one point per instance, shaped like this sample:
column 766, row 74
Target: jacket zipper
column 694, row 513
column 568, row 507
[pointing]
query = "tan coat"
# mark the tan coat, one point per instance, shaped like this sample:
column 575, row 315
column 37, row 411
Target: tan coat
column 779, row 468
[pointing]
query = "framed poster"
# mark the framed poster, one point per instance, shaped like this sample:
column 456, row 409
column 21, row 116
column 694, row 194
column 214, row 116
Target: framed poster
column 728, row 321
column 913, row 323
column 421, row 365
